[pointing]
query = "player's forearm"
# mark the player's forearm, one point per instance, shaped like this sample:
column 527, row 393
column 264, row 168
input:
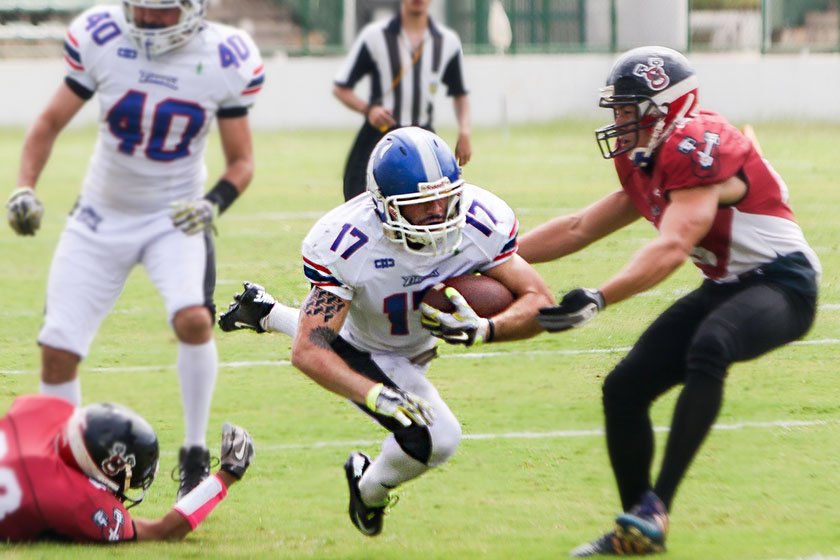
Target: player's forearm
column 37, row 148
column 519, row 321
column 329, row 371
column 462, row 113
column 350, row 100
column 650, row 266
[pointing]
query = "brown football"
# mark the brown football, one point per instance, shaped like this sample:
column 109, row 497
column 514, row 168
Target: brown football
column 488, row 297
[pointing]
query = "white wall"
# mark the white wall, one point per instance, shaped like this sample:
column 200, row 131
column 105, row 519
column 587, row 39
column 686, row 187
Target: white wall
column 536, row 88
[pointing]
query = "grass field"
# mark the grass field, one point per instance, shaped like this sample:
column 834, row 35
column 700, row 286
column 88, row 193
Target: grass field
column 531, row 479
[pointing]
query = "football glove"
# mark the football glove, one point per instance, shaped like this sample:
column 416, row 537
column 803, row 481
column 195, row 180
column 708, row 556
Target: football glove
column 405, row 408
column 577, row 308
column 463, row 326
column 247, row 309
column 194, row 216
column 237, row 450
column 24, row 211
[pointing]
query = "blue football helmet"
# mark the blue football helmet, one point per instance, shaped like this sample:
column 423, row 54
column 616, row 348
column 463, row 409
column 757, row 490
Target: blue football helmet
column 113, row 446
column 414, row 166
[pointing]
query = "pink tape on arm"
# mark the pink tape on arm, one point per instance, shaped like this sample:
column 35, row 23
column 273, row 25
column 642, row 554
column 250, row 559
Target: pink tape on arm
column 197, row 505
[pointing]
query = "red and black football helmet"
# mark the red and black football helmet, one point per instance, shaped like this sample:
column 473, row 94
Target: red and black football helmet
column 113, row 446
column 662, row 86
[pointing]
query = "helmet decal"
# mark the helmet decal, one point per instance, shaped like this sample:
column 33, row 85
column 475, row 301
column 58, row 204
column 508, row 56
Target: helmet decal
column 653, row 73
column 118, row 461
column 661, row 87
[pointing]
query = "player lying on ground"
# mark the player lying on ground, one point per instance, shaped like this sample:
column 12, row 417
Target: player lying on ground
column 65, row 473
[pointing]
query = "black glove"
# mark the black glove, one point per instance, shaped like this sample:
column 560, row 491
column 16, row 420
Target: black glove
column 577, row 308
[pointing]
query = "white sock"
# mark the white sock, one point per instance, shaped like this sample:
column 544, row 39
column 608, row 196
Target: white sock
column 281, row 318
column 198, row 366
column 389, row 470
column 70, row 391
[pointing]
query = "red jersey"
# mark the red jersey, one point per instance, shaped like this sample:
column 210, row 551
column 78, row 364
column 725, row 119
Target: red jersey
column 706, row 150
column 40, row 495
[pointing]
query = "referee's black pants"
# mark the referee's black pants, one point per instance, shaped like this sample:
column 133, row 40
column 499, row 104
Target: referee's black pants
column 355, row 170
column 693, row 342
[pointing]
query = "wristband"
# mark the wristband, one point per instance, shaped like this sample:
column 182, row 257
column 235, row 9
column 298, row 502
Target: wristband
column 222, row 194
column 373, row 396
column 491, row 331
column 197, row 505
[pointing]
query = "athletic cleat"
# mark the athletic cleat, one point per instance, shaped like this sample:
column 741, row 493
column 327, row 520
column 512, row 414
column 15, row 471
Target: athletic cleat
column 193, row 467
column 247, row 309
column 367, row 519
column 607, row 545
column 645, row 526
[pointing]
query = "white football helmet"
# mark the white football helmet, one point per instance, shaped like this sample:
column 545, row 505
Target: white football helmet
column 155, row 41
column 414, row 166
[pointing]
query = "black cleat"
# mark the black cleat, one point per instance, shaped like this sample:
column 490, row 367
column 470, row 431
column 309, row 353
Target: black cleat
column 247, row 309
column 193, row 467
column 367, row 519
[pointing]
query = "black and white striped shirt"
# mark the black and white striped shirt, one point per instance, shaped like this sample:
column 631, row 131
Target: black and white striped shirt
column 403, row 86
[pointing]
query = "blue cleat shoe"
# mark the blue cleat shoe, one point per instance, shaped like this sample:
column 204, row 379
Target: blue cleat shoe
column 645, row 527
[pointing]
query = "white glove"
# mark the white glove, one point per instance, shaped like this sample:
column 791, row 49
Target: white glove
column 237, row 450
column 193, row 216
column 24, row 211
column 405, row 408
column 463, row 326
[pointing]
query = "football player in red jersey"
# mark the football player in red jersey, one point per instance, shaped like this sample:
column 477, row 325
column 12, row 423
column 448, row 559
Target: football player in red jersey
column 65, row 473
column 715, row 200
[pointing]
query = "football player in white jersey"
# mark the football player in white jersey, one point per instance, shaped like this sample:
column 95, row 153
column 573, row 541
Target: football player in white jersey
column 361, row 329
column 161, row 74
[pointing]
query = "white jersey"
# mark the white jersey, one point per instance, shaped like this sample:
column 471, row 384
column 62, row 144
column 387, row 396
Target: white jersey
column 155, row 114
column 347, row 254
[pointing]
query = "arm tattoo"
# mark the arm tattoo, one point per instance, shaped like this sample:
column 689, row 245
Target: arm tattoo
column 320, row 302
column 322, row 337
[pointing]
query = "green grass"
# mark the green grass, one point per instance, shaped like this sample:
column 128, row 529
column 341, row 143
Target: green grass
column 758, row 492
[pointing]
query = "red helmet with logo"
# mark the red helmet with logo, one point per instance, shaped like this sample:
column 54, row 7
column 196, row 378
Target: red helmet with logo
column 661, row 84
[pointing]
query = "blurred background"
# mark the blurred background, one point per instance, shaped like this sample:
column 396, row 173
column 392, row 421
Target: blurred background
column 540, row 60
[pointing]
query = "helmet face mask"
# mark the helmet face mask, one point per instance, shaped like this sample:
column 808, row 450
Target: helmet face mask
column 408, row 168
column 156, row 40
column 113, row 446
column 662, row 86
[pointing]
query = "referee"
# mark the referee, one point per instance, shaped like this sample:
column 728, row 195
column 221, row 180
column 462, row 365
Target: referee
column 407, row 58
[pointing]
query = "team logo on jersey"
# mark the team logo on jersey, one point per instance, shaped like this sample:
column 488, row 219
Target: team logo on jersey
column 653, row 73
column 124, row 52
column 170, row 82
column 384, row 263
column 118, row 460
column 112, row 530
column 703, row 154
column 415, row 279
column 88, row 216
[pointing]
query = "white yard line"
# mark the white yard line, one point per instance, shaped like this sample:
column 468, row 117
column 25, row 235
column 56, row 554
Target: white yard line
column 467, row 355
column 559, row 434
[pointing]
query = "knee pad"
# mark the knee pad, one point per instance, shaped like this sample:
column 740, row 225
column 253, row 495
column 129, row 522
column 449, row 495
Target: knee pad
column 446, row 437
column 432, row 445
